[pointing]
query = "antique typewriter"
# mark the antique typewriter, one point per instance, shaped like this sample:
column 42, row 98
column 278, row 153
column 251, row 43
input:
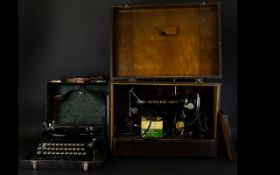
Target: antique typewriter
column 76, row 144
column 75, row 130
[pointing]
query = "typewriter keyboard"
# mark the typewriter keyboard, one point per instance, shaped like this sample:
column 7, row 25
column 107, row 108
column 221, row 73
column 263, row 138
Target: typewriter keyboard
column 64, row 151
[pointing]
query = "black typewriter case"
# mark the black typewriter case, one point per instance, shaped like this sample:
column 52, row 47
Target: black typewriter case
column 75, row 135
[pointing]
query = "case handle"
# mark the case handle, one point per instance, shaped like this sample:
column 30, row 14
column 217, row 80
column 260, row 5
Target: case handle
column 168, row 30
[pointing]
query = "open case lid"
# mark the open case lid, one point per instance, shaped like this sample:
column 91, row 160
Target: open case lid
column 166, row 41
column 78, row 104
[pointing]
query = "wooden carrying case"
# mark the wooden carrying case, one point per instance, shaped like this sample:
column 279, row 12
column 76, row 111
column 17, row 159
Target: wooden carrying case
column 165, row 49
column 79, row 113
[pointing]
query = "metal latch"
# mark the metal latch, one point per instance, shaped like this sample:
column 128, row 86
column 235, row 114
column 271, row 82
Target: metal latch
column 199, row 80
column 34, row 164
column 85, row 166
column 126, row 6
column 203, row 3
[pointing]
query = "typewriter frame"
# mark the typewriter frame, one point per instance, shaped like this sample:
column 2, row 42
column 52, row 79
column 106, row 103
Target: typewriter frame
column 28, row 160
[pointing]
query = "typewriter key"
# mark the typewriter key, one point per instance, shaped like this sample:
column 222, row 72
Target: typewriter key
column 78, row 144
column 70, row 149
column 74, row 144
column 49, row 144
column 70, row 153
column 62, row 153
column 56, row 149
column 39, row 148
column 78, row 149
column 66, row 153
column 82, row 149
column 44, row 148
column 75, row 153
column 49, row 152
column 61, row 144
column 57, row 153
column 52, row 149
column 79, row 153
column 61, row 149
column 84, row 153
column 70, row 144
column 39, row 152
column 45, row 152
column 48, row 148
column 40, row 144
column 53, row 144
column 74, row 149
column 65, row 144
column 82, row 144
column 44, row 144
column 57, row 144
column 53, row 153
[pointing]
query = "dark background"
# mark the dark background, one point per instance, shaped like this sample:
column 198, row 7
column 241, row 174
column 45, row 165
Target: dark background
column 64, row 38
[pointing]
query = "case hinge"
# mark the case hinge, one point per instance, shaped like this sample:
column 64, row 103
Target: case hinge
column 199, row 80
column 132, row 80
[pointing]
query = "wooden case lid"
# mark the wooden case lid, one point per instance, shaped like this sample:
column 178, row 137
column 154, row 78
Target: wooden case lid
column 166, row 41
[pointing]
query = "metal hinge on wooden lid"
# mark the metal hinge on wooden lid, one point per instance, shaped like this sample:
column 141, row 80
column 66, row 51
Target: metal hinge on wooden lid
column 132, row 79
column 199, row 80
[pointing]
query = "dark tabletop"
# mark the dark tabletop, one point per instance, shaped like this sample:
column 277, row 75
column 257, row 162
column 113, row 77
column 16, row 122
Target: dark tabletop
column 129, row 166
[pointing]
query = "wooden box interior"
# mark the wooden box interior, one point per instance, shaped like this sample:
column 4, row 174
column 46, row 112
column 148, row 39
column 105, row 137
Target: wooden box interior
column 166, row 41
column 125, row 145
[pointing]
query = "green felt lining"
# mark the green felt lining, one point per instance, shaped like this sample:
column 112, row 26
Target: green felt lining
column 82, row 107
